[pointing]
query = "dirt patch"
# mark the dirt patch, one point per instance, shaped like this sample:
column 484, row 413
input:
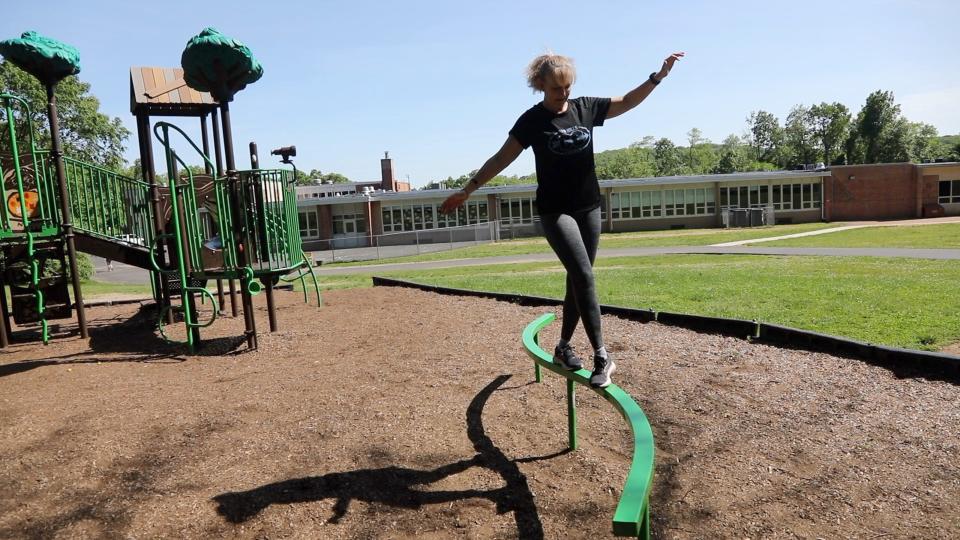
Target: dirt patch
column 394, row 413
column 953, row 348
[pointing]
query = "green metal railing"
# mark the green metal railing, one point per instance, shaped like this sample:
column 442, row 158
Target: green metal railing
column 43, row 221
column 265, row 203
column 105, row 203
column 41, row 224
column 271, row 217
column 632, row 517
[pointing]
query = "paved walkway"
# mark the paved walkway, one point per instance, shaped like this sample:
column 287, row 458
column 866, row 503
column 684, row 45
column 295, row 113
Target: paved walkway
column 857, row 225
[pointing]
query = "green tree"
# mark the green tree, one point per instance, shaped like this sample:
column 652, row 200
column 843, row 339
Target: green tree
column 830, row 123
column 764, row 135
column 667, row 159
column 701, row 156
column 87, row 134
column 635, row 161
column 879, row 133
column 924, row 144
column 304, row 179
column 335, row 178
column 734, row 156
column 800, row 145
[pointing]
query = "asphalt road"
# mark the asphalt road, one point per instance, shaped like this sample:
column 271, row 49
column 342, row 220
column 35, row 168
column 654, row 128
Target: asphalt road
column 121, row 273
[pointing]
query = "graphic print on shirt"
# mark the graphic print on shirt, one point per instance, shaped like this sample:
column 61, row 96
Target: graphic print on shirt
column 568, row 141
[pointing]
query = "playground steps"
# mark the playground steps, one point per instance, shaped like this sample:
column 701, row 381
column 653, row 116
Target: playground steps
column 52, row 283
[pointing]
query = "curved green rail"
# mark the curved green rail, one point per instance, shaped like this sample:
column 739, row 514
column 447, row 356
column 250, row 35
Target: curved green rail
column 632, row 517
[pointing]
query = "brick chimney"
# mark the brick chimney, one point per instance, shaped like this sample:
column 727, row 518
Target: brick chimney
column 387, row 182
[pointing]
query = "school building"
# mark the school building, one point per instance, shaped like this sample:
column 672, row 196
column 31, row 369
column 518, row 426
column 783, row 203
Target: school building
column 365, row 214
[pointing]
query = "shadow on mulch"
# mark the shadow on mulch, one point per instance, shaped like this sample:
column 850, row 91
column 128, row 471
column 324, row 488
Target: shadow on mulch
column 394, row 486
column 138, row 333
column 131, row 336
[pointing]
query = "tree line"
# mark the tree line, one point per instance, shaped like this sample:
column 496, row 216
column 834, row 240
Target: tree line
column 823, row 134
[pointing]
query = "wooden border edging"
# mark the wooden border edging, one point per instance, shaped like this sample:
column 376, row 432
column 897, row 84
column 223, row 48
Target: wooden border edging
column 925, row 361
column 632, row 517
column 507, row 297
column 929, row 363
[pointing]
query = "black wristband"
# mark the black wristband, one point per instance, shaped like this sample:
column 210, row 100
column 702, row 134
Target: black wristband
column 653, row 79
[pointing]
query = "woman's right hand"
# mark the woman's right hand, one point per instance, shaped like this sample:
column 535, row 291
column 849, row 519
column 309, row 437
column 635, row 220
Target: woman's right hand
column 454, row 201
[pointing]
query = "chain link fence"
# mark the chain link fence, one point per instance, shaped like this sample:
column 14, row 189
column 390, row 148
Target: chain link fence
column 403, row 244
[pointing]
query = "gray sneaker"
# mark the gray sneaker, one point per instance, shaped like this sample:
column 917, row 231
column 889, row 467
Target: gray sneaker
column 603, row 368
column 566, row 358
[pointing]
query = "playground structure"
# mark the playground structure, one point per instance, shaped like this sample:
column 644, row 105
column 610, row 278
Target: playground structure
column 227, row 224
column 632, row 517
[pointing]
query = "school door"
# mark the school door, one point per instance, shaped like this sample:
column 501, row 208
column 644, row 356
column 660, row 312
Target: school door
column 349, row 230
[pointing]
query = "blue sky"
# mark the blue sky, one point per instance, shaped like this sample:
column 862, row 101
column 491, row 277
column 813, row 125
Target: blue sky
column 440, row 83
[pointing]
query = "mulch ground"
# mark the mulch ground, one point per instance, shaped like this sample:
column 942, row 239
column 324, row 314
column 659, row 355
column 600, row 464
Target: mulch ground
column 395, row 413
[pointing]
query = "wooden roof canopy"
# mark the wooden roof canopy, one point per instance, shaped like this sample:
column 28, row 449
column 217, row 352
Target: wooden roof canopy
column 163, row 92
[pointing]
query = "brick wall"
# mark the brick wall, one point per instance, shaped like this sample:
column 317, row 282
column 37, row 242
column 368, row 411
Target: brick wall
column 884, row 191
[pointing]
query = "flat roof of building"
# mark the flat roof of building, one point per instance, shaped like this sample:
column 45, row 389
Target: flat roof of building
column 526, row 188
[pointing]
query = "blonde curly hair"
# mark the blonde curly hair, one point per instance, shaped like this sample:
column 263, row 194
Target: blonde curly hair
column 561, row 67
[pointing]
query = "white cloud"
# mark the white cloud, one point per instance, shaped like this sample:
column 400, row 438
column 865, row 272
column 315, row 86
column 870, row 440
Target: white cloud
column 940, row 108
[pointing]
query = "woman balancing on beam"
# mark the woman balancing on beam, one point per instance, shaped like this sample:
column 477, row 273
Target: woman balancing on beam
column 560, row 130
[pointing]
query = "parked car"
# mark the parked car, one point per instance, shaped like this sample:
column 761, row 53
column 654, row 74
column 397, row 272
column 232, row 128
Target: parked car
column 132, row 239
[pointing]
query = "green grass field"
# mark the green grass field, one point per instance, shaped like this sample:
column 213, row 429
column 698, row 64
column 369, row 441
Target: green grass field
column 691, row 237
column 912, row 303
column 100, row 288
column 944, row 236
column 899, row 302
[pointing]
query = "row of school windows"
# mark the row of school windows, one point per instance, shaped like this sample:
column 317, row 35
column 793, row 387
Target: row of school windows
column 418, row 217
column 949, row 192
column 661, row 203
column 701, row 201
column 624, row 205
column 779, row 196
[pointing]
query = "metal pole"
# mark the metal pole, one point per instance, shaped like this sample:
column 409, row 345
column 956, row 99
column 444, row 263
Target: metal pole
column 180, row 215
column 147, row 171
column 57, row 154
column 572, row 413
column 536, row 366
column 239, row 227
column 219, row 173
column 4, row 315
column 268, row 284
column 206, row 166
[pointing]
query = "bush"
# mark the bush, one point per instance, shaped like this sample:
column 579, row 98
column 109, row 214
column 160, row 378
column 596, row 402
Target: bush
column 84, row 267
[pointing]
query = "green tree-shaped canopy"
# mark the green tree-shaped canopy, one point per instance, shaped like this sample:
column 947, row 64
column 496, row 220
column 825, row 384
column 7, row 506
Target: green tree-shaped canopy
column 46, row 59
column 215, row 63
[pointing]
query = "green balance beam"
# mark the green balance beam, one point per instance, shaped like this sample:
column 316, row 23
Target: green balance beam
column 632, row 517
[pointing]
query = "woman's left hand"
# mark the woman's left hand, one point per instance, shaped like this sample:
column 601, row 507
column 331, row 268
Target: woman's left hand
column 668, row 64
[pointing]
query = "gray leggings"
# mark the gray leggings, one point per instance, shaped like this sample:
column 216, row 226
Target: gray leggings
column 574, row 238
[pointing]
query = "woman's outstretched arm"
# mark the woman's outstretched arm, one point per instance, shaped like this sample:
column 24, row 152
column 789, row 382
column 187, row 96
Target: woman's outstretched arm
column 631, row 99
column 492, row 167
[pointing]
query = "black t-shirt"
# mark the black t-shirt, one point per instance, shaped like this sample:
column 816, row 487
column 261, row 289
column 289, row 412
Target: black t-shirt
column 563, row 148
